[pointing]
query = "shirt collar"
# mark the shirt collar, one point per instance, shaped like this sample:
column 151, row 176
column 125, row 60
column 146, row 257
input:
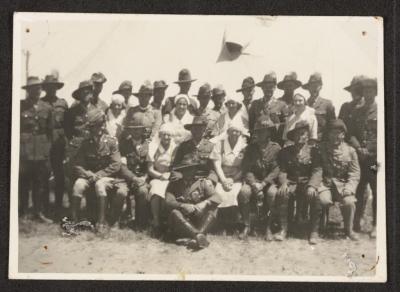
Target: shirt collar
column 240, row 144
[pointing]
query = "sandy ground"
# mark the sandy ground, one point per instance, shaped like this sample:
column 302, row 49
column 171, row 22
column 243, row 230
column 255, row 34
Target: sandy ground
column 42, row 248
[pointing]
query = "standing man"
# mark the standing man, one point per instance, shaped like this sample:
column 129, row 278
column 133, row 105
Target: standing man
column 357, row 101
column 340, row 175
column 247, row 90
column 268, row 106
column 159, row 88
column 97, row 163
column 184, row 82
column 204, row 109
column 125, row 89
column 218, row 97
column 151, row 119
column 364, row 141
column 35, row 142
column 289, row 84
column 98, row 80
column 324, row 109
column 57, row 152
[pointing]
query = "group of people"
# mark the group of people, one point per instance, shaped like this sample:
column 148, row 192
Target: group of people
column 184, row 165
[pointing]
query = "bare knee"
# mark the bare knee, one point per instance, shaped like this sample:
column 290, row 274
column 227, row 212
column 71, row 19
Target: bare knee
column 79, row 187
column 325, row 198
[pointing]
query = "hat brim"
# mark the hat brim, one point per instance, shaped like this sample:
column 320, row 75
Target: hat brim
column 59, row 84
column 307, row 85
column 141, row 94
column 260, row 84
column 189, row 126
column 185, row 81
column 161, row 87
column 76, row 92
column 100, row 81
column 350, row 88
column 291, row 133
column 186, row 166
column 119, row 91
column 283, row 84
column 134, row 127
column 31, row 85
column 244, row 88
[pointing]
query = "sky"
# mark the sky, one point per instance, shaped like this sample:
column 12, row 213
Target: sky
column 153, row 47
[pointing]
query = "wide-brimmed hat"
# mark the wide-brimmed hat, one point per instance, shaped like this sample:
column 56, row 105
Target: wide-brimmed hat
column 369, row 82
column 314, row 78
column 269, row 78
column 204, row 90
column 125, row 85
column 145, row 89
column 82, row 85
column 197, row 121
column 51, row 79
column 218, row 91
column 187, row 161
column 133, row 124
column 297, row 127
column 248, row 82
column 160, row 84
column 98, row 77
column 356, row 83
column 96, row 117
column 337, row 124
column 290, row 78
column 32, row 81
column 264, row 124
column 184, row 77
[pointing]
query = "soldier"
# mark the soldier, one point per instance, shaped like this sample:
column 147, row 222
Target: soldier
column 134, row 149
column 193, row 204
column 218, row 98
column 261, row 171
column 324, row 109
column 57, row 151
column 184, row 82
column 144, row 112
column 247, row 90
column 340, row 175
column 97, row 164
column 297, row 164
column 347, row 110
column 35, row 142
column 125, row 89
column 98, row 80
column 198, row 148
column 362, row 139
column 204, row 97
column 274, row 109
column 289, row 84
column 159, row 88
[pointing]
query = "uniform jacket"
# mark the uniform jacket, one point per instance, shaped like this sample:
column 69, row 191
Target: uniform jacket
column 190, row 192
column 300, row 164
column 100, row 104
column 275, row 109
column 199, row 153
column 102, row 157
column 324, row 112
column 339, row 167
column 36, row 129
column 149, row 117
column 59, row 107
column 136, row 153
column 75, row 121
column 361, row 116
column 261, row 164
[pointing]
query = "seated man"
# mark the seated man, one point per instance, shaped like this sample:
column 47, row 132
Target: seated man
column 340, row 175
column 261, row 171
column 297, row 163
column 192, row 204
column 97, row 164
column 134, row 148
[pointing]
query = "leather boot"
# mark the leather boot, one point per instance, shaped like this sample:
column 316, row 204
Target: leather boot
column 182, row 228
column 208, row 222
column 348, row 218
column 116, row 208
column 75, row 208
column 282, row 208
column 244, row 209
column 101, row 209
column 316, row 212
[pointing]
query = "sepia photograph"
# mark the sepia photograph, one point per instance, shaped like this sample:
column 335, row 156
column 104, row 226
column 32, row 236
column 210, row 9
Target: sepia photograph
column 198, row 147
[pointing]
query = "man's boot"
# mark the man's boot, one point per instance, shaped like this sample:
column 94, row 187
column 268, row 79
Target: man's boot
column 245, row 212
column 117, row 204
column 101, row 226
column 316, row 213
column 268, row 232
column 282, row 208
column 75, row 208
column 348, row 218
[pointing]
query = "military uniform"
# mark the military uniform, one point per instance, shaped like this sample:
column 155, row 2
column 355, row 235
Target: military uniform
column 211, row 116
column 150, row 118
column 324, row 112
column 98, row 104
column 57, row 152
column 346, row 113
column 135, row 173
column 275, row 110
column 35, row 141
column 199, row 193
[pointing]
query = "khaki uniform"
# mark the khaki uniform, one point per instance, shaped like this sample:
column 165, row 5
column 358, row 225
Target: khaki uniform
column 100, row 104
column 324, row 112
column 149, row 117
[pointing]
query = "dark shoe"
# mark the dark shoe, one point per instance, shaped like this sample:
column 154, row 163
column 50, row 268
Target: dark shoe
column 268, row 235
column 353, row 236
column 202, row 241
column 43, row 219
column 281, row 236
column 313, row 240
column 245, row 233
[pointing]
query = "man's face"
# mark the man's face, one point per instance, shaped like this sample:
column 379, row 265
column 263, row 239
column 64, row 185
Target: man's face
column 369, row 94
column 356, row 94
column 248, row 93
column 268, row 89
column 86, row 96
column 50, row 89
column 126, row 93
column 198, row 131
column 204, row 100
column 261, row 136
column 218, row 101
column 97, row 88
column 314, row 89
column 336, row 137
column 34, row 92
column 301, row 136
column 289, row 89
column 184, row 87
column 144, row 100
column 159, row 94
